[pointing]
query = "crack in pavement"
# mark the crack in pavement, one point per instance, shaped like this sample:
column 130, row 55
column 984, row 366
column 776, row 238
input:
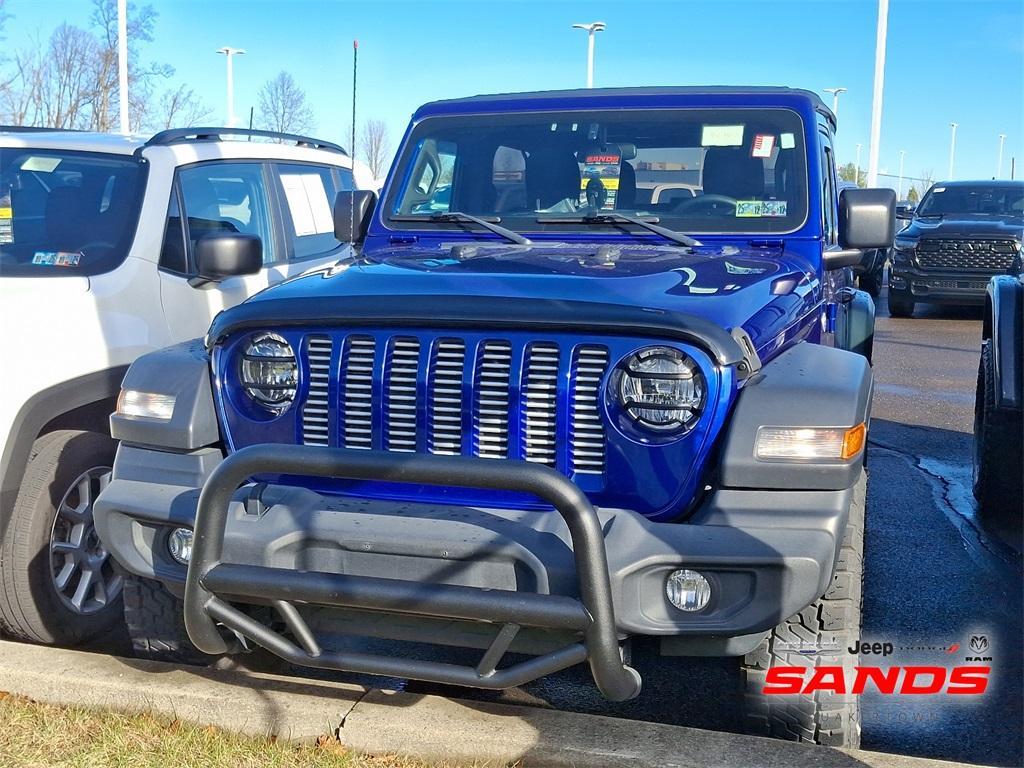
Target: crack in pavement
column 946, row 491
column 366, row 692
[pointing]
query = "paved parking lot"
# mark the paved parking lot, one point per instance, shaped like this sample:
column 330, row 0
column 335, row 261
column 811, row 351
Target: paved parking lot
column 932, row 577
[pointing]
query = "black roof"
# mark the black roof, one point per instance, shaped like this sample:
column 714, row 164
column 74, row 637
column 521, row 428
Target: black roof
column 598, row 94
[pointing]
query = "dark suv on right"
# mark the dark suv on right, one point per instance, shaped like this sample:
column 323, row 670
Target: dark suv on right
column 962, row 234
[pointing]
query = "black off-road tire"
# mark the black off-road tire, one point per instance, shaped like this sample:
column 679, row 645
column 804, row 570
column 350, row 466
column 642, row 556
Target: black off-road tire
column 832, row 622
column 31, row 607
column 998, row 458
column 900, row 306
column 156, row 623
column 871, row 282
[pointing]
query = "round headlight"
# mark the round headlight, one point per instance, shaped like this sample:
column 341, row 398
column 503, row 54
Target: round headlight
column 269, row 372
column 661, row 389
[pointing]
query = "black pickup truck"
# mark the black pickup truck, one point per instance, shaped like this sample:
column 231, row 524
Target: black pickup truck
column 962, row 234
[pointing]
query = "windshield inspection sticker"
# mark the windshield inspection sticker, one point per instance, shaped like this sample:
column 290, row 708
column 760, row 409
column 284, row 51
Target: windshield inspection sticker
column 746, row 209
column 6, row 224
column 762, row 146
column 56, row 258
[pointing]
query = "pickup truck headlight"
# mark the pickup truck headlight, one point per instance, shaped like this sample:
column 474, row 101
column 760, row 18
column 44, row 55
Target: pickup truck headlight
column 269, row 372
column 661, row 389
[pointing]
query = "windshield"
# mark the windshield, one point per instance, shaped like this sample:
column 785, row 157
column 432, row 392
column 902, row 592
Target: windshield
column 694, row 171
column 996, row 200
column 66, row 213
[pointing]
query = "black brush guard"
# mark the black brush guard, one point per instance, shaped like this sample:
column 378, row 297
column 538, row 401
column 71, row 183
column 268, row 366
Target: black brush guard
column 592, row 614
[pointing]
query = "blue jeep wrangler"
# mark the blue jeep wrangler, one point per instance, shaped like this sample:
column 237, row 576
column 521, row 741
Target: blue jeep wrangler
column 594, row 371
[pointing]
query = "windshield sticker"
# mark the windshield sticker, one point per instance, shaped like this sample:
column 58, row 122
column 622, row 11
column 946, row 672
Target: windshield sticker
column 56, row 258
column 721, row 136
column 762, row 146
column 41, row 164
column 746, row 209
column 6, row 221
column 787, row 141
column 938, row 190
column 600, row 179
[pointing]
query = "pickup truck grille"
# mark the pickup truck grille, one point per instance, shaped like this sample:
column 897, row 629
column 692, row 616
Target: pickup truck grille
column 494, row 398
column 966, row 255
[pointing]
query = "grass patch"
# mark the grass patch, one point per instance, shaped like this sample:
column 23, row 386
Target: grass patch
column 42, row 735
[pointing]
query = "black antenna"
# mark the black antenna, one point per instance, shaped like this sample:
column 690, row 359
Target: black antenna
column 355, row 65
column 250, row 122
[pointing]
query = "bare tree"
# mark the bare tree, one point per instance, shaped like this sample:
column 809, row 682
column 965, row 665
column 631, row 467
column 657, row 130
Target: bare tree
column 375, row 146
column 72, row 81
column 181, row 108
column 283, row 106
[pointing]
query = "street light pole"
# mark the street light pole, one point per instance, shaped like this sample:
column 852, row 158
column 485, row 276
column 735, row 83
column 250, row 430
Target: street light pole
column 952, row 149
column 899, row 190
column 999, row 163
column 592, row 28
column 856, row 167
column 229, row 53
column 122, row 64
column 835, row 98
column 876, row 98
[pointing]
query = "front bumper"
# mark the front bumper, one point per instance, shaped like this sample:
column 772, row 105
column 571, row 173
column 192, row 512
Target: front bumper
column 937, row 287
column 594, row 577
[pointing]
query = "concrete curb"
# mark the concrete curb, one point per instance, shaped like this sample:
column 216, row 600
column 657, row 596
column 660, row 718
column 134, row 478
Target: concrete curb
column 375, row 721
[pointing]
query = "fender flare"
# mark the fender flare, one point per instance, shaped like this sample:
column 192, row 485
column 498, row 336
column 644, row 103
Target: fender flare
column 38, row 411
column 1004, row 326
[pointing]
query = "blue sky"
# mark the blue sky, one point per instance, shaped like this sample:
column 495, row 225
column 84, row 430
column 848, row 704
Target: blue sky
column 947, row 60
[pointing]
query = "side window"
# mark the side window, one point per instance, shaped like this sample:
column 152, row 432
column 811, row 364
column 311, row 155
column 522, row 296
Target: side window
column 308, row 200
column 227, row 197
column 174, row 254
column 828, row 191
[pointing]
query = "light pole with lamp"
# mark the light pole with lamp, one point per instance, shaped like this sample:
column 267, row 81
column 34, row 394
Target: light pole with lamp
column 592, row 28
column 899, row 190
column 876, row 95
column 229, row 53
column 952, row 148
column 835, row 98
column 999, row 163
column 856, row 166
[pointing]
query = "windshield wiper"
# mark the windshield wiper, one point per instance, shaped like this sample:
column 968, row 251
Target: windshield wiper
column 614, row 217
column 490, row 223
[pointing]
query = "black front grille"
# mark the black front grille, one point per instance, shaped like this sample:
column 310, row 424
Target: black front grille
column 967, row 255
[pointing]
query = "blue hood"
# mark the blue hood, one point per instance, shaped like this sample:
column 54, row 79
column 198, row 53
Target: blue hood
column 761, row 289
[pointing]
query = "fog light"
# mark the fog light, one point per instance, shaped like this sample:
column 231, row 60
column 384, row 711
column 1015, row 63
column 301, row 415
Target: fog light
column 179, row 544
column 687, row 590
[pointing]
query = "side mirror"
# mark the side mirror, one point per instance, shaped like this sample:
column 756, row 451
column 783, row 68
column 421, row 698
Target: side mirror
column 905, row 211
column 225, row 254
column 867, row 218
column 352, row 212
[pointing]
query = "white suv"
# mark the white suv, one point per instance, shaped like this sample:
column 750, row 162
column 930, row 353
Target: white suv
column 110, row 247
